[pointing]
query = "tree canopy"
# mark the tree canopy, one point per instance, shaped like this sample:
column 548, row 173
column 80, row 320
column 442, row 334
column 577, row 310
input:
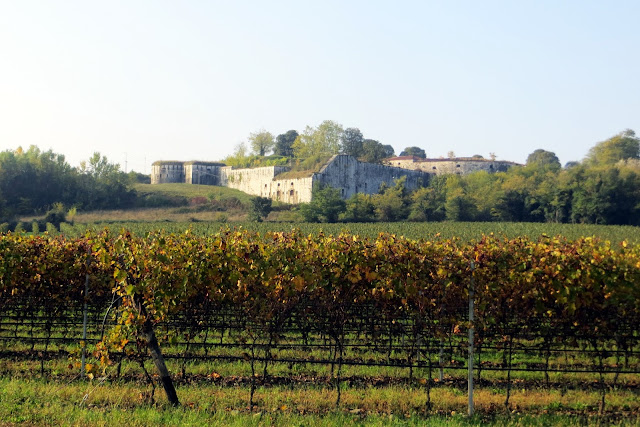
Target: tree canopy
column 352, row 142
column 622, row 146
column 284, row 143
column 414, row 151
column 261, row 142
column 319, row 141
column 374, row 152
column 542, row 157
column 33, row 181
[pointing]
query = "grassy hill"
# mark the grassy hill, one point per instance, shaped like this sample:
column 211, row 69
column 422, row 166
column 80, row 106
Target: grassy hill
column 177, row 203
column 186, row 193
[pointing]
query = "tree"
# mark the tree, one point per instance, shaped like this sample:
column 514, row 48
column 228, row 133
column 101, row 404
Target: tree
column 260, row 208
column 427, row 203
column 321, row 141
column 542, row 158
column 458, row 205
column 622, row 146
column 374, row 152
column 239, row 158
column 261, row 142
column 392, row 204
column 388, row 151
column 326, row 205
column 606, row 195
column 414, row 151
column 352, row 142
column 284, row 143
column 99, row 167
column 359, row 208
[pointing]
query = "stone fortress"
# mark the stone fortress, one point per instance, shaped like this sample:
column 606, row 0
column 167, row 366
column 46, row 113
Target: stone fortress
column 455, row 165
column 343, row 172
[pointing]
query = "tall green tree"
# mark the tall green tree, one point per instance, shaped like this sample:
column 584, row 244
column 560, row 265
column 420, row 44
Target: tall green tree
column 622, row 146
column 98, row 166
column 323, row 140
column 351, row 142
column 261, row 142
column 284, row 143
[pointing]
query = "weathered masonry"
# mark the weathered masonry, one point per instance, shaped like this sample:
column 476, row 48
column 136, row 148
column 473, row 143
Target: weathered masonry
column 342, row 172
column 456, row 165
column 206, row 173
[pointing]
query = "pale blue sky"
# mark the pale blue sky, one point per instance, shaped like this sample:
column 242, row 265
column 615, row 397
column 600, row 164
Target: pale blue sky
column 150, row 80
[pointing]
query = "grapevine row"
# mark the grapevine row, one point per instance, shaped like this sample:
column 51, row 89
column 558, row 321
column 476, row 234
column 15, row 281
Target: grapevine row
column 561, row 289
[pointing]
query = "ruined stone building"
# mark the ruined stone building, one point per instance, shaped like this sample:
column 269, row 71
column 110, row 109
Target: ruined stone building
column 455, row 165
column 343, row 172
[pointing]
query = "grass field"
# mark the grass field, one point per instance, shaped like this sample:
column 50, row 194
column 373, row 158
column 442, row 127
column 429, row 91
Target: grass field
column 38, row 401
column 193, row 191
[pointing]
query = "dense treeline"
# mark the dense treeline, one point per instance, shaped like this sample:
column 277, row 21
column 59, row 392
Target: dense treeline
column 602, row 189
column 33, row 181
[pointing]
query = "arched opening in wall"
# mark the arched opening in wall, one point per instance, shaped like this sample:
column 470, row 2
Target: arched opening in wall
column 291, row 192
column 457, row 166
column 434, row 168
column 365, row 186
column 342, row 192
column 491, row 167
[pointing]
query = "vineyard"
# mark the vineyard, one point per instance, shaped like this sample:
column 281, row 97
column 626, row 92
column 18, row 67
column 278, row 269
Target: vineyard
column 412, row 230
column 334, row 311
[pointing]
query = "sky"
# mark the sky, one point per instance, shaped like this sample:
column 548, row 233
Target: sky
column 140, row 81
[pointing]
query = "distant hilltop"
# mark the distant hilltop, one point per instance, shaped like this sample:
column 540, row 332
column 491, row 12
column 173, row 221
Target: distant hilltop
column 343, row 172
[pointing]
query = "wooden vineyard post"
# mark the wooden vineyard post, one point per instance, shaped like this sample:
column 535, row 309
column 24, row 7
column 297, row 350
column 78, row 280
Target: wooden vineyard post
column 471, row 338
column 149, row 336
column 84, row 323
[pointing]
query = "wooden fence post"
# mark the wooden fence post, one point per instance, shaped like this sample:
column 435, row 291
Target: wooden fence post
column 471, row 339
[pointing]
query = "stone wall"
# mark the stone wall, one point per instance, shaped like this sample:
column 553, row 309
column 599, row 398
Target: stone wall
column 202, row 173
column 351, row 176
column 293, row 190
column 459, row 166
column 345, row 173
column 255, row 181
column 163, row 172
